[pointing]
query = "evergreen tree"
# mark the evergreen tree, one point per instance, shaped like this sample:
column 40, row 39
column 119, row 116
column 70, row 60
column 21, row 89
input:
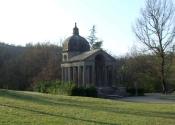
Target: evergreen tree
column 94, row 42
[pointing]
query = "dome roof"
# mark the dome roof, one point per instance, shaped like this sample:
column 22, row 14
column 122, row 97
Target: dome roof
column 76, row 43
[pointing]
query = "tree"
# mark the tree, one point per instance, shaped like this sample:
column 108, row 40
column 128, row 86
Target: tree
column 137, row 70
column 155, row 29
column 21, row 67
column 93, row 40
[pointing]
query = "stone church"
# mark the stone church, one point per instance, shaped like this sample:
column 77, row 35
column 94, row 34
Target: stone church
column 86, row 67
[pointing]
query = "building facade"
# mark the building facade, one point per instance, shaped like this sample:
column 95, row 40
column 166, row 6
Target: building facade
column 86, row 67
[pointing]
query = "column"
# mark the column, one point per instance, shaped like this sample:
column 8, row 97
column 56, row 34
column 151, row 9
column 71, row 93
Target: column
column 76, row 75
column 113, row 74
column 84, row 77
column 65, row 73
column 62, row 74
column 90, row 75
column 87, row 75
column 73, row 68
column 79, row 75
column 71, row 74
column 93, row 75
column 69, row 79
column 106, row 73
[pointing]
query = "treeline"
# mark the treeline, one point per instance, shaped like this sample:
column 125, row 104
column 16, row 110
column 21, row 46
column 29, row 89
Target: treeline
column 21, row 67
column 143, row 71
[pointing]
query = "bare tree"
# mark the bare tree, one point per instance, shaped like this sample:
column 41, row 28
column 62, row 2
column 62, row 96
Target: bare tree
column 156, row 30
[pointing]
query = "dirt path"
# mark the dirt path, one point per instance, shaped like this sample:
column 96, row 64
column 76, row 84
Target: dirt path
column 151, row 98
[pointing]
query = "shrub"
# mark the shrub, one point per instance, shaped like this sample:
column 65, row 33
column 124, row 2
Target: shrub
column 91, row 92
column 78, row 91
column 84, row 91
column 54, row 87
column 42, row 86
column 64, row 88
column 132, row 91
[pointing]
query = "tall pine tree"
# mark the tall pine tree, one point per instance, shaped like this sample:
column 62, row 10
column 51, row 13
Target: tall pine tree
column 94, row 42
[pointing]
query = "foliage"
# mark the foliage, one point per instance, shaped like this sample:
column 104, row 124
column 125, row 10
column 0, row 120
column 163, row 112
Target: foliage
column 79, row 91
column 85, row 91
column 93, row 40
column 20, row 67
column 42, row 86
column 135, row 92
column 155, row 29
column 23, row 67
column 26, row 108
column 54, row 87
column 91, row 92
column 139, row 71
column 64, row 88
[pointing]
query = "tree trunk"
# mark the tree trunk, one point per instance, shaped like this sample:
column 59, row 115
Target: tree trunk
column 163, row 81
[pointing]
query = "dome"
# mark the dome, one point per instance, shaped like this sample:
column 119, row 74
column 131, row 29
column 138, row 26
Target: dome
column 76, row 43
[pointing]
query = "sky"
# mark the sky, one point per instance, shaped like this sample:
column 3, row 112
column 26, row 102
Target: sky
column 32, row 21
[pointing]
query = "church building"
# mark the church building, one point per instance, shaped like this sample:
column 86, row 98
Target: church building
column 86, row 67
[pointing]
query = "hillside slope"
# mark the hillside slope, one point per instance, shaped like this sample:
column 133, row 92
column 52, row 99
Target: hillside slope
column 29, row 108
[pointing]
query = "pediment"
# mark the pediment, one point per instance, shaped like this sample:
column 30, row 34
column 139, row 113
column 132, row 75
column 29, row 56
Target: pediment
column 90, row 56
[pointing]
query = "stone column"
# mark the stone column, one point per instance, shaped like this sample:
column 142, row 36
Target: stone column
column 66, row 74
column 73, row 68
column 93, row 74
column 113, row 74
column 90, row 75
column 87, row 75
column 79, row 75
column 76, row 75
column 69, row 74
column 62, row 73
column 106, row 80
column 84, row 75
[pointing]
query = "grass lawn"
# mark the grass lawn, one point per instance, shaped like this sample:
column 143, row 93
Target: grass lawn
column 30, row 108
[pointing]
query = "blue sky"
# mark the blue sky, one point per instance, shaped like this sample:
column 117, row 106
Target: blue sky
column 24, row 21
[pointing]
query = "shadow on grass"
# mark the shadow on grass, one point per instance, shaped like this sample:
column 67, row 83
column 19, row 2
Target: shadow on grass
column 59, row 115
column 72, row 103
column 36, row 97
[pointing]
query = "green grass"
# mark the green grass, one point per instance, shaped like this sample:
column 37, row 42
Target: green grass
column 30, row 108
